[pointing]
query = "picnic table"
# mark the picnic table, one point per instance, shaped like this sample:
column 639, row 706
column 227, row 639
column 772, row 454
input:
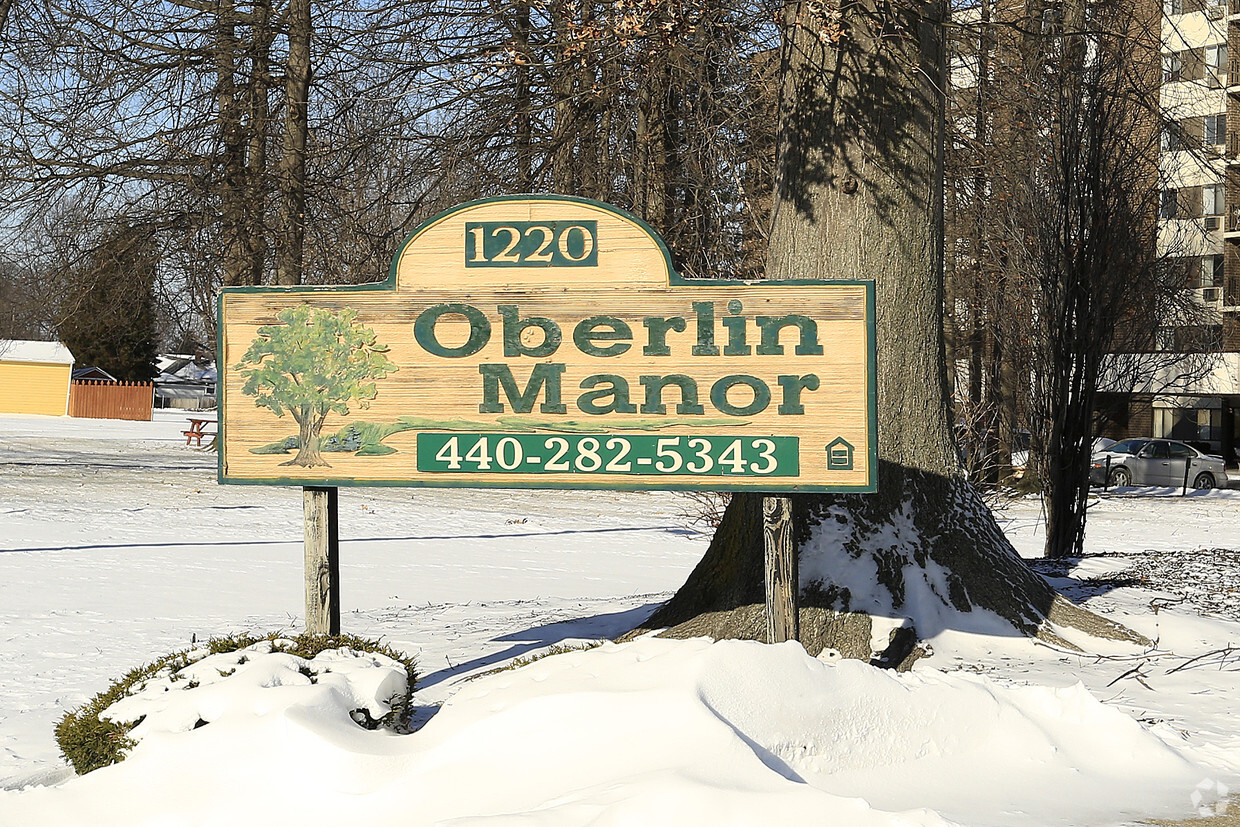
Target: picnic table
column 197, row 430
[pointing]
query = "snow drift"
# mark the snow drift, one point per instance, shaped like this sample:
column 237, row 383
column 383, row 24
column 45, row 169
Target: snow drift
column 649, row 732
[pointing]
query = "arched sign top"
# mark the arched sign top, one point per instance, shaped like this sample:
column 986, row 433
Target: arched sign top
column 539, row 237
column 546, row 341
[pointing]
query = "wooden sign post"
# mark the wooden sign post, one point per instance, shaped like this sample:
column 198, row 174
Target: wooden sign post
column 547, row 342
column 782, row 609
column 322, row 568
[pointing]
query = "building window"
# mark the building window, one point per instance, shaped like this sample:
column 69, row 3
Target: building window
column 1213, row 199
column 1173, row 68
column 1214, row 130
column 1171, row 139
column 1188, row 424
column 1211, row 272
column 1170, row 204
column 1173, row 6
column 1216, row 64
column 1198, row 339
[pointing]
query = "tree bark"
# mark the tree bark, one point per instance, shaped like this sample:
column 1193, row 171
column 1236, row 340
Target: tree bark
column 563, row 83
column 523, row 98
column 290, row 250
column 231, row 188
column 650, row 146
column 5, row 5
column 859, row 196
column 259, row 111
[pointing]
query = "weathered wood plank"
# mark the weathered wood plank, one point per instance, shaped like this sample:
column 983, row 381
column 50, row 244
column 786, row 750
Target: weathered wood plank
column 322, row 560
column 620, row 348
column 782, row 619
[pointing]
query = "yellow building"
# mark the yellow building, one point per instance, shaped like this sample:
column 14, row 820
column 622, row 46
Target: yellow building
column 34, row 377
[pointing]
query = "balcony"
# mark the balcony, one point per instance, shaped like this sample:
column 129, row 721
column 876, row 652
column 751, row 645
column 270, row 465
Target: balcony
column 1168, row 374
column 1211, row 297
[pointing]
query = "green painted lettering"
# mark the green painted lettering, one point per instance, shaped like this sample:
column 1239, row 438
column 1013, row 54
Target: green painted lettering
column 735, row 325
column 547, row 375
column 596, row 329
column 514, row 326
column 617, row 391
column 793, row 385
column 771, row 325
column 705, row 329
column 761, row 395
column 479, row 330
column 657, row 328
column 688, row 394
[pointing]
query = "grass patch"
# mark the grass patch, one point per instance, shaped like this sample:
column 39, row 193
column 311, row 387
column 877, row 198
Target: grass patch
column 526, row 660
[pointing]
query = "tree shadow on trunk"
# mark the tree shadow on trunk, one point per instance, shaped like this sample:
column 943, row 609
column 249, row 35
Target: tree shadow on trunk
column 922, row 556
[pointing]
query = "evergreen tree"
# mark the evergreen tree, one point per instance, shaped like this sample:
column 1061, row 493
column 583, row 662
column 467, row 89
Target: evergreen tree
column 108, row 320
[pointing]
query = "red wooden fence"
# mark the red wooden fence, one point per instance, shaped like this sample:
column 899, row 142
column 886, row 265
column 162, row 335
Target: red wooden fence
column 99, row 399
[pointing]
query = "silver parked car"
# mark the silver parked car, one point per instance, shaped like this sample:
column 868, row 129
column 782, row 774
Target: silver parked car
column 1157, row 462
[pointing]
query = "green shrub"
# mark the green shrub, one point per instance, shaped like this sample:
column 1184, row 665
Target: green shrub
column 525, row 660
column 89, row 742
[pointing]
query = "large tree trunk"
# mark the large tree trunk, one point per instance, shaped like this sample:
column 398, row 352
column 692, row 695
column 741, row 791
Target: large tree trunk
column 290, row 249
column 563, row 86
column 259, row 107
column 235, row 234
column 523, row 98
column 859, row 196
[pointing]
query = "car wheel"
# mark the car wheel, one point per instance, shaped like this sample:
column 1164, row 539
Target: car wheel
column 1121, row 478
column 1204, row 481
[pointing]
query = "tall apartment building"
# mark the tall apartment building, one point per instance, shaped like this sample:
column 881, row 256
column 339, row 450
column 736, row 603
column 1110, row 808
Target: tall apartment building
column 1193, row 398
column 1199, row 221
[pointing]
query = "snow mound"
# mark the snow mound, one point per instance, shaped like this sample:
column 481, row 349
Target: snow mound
column 925, row 606
column 648, row 732
column 256, row 680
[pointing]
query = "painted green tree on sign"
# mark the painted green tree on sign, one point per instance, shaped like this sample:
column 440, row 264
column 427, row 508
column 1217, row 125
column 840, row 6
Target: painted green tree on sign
column 313, row 363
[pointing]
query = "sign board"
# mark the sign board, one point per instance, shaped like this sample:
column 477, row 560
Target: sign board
column 546, row 342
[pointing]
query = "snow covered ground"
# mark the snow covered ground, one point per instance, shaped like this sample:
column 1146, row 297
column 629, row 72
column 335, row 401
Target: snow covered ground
column 117, row 546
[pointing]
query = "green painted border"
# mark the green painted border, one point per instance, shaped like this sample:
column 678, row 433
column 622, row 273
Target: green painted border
column 674, row 279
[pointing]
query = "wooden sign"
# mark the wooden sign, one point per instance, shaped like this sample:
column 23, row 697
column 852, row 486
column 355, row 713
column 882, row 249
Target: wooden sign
column 546, row 342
